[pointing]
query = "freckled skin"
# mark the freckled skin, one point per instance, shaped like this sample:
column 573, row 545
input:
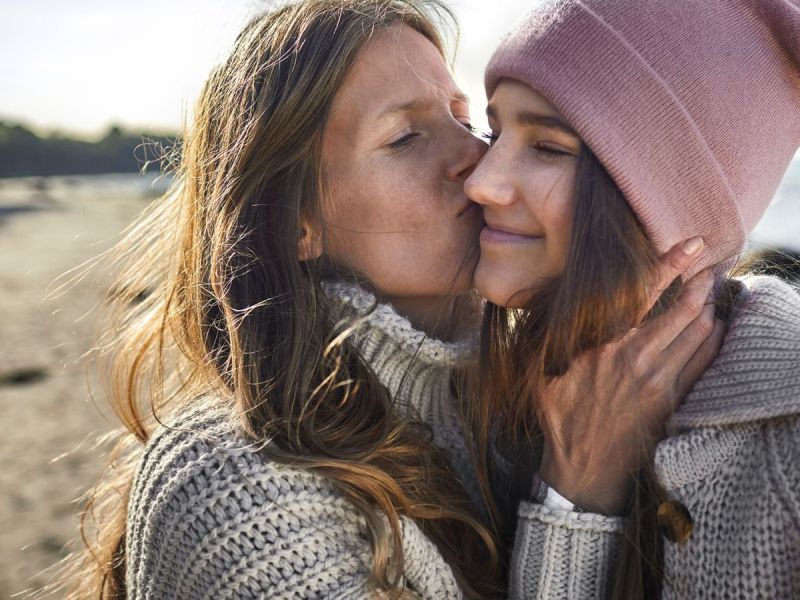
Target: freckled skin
column 393, row 209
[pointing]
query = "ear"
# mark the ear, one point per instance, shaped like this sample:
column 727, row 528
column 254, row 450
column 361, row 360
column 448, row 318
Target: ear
column 309, row 244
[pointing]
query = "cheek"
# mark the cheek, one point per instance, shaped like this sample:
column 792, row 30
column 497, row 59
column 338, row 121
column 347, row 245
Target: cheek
column 378, row 223
column 391, row 218
column 553, row 207
column 562, row 212
column 364, row 208
column 506, row 275
column 388, row 196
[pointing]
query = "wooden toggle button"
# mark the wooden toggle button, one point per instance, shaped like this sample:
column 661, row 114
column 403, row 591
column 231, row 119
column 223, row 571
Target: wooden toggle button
column 674, row 521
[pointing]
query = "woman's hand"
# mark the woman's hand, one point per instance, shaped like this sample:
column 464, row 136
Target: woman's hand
column 607, row 412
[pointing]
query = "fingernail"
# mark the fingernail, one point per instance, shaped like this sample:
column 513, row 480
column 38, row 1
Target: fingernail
column 693, row 245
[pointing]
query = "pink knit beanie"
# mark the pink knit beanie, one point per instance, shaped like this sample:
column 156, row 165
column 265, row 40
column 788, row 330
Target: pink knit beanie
column 692, row 106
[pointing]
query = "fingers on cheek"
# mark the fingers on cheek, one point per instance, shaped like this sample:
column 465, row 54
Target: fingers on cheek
column 612, row 362
column 668, row 268
column 674, row 264
column 713, row 343
column 659, row 396
column 606, row 358
column 652, row 383
column 630, row 339
column 704, row 324
column 649, row 349
column 642, row 368
column 631, row 344
column 693, row 301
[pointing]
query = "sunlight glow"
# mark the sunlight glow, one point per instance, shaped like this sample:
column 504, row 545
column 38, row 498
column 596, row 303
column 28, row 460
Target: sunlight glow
column 80, row 66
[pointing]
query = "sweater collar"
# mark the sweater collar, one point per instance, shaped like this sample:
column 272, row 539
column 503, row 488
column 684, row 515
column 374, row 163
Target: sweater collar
column 412, row 365
column 757, row 372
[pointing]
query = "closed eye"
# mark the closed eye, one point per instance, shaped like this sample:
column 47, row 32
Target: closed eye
column 551, row 151
column 403, row 141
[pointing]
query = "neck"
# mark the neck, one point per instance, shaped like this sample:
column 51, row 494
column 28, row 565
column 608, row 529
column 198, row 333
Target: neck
column 433, row 315
column 413, row 365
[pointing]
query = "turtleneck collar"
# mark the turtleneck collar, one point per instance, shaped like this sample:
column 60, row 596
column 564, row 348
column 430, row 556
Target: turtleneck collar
column 755, row 376
column 413, row 366
column 358, row 302
column 757, row 372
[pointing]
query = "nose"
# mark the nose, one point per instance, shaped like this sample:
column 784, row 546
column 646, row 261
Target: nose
column 489, row 183
column 468, row 151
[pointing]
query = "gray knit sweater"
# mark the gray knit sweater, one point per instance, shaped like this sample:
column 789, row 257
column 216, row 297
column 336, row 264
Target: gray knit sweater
column 732, row 458
column 209, row 517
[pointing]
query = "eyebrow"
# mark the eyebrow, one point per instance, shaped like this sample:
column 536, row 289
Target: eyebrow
column 419, row 104
column 531, row 118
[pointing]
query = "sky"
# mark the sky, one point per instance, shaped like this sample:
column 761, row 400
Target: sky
column 80, row 66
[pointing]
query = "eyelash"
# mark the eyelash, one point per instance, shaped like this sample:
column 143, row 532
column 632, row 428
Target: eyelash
column 408, row 138
column 538, row 147
column 403, row 141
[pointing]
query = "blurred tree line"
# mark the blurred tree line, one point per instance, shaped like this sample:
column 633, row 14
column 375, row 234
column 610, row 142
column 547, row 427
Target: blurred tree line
column 24, row 154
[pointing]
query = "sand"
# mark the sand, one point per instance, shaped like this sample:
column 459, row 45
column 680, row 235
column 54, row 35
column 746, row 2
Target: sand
column 47, row 420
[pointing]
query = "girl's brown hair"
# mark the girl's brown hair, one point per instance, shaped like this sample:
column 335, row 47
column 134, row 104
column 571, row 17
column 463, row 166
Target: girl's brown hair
column 602, row 291
column 212, row 300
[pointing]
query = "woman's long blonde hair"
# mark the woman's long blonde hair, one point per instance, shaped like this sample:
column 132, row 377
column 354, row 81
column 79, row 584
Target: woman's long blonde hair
column 211, row 300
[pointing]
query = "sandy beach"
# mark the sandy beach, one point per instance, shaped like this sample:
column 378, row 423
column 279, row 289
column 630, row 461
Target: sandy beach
column 48, row 420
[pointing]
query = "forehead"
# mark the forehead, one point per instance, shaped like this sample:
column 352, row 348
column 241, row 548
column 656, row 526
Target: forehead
column 512, row 96
column 396, row 66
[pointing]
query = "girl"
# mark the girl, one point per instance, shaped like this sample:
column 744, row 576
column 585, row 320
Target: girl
column 289, row 433
column 618, row 128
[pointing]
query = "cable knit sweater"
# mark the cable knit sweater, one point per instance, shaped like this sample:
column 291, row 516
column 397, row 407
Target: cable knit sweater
column 732, row 458
column 210, row 517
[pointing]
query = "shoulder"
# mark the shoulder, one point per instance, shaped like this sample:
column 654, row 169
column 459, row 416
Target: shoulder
column 756, row 374
column 767, row 309
column 208, row 511
column 770, row 297
column 203, row 450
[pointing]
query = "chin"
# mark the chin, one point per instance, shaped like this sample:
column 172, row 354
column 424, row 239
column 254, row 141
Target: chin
column 499, row 287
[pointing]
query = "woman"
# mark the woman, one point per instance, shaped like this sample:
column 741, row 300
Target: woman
column 289, row 435
column 618, row 128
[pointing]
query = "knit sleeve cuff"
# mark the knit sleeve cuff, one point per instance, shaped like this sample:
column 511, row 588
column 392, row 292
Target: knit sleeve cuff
column 559, row 554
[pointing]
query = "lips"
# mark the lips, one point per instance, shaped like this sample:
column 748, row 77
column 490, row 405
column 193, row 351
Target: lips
column 494, row 233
